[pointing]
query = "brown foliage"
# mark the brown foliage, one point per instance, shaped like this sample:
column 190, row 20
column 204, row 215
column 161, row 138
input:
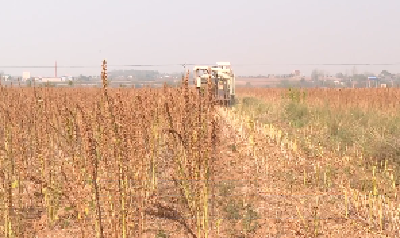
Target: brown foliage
column 91, row 158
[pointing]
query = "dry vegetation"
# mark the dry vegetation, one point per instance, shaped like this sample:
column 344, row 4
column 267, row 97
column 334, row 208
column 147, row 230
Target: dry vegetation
column 106, row 163
column 343, row 142
column 170, row 163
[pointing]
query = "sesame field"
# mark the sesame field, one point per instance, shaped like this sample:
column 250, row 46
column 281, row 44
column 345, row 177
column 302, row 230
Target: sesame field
column 169, row 162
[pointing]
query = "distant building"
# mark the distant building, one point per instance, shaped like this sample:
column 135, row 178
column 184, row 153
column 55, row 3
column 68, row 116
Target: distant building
column 296, row 73
column 52, row 79
column 26, row 76
column 67, row 78
column 135, row 74
column 6, row 77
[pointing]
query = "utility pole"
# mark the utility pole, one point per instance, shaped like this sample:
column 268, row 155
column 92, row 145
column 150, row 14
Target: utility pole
column 184, row 71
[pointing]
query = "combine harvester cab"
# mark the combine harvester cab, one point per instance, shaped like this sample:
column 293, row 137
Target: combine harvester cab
column 223, row 79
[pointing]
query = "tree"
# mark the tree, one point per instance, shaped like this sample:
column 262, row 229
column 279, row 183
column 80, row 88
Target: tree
column 385, row 73
column 70, row 83
column 315, row 74
column 285, row 83
column 49, row 85
column 339, row 75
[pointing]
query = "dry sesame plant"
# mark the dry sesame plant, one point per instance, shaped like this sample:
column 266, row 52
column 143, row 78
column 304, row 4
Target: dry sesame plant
column 107, row 162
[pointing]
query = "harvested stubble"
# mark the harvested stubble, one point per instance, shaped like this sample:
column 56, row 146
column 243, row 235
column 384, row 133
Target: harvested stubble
column 89, row 161
column 367, row 184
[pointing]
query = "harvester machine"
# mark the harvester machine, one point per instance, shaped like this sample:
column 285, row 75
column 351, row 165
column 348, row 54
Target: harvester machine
column 222, row 77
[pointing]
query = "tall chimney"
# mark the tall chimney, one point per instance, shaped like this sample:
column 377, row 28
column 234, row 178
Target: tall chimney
column 55, row 70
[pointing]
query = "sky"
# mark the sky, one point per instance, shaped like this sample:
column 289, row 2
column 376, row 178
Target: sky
column 256, row 36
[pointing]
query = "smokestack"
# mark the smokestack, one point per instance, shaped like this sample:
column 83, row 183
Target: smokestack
column 55, row 70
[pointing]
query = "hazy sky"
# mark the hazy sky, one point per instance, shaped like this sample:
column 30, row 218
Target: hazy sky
column 172, row 32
